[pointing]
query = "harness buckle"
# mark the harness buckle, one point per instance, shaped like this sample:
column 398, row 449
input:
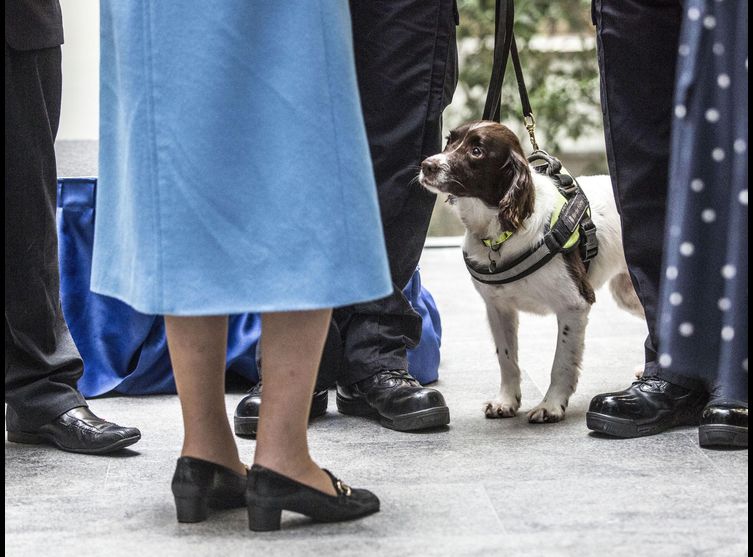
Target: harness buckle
column 566, row 184
column 589, row 243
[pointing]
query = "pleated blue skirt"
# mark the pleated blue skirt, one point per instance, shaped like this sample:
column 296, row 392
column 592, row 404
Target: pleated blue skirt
column 234, row 168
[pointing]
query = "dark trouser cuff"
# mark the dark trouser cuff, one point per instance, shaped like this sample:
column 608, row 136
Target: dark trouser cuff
column 359, row 373
column 653, row 369
column 32, row 417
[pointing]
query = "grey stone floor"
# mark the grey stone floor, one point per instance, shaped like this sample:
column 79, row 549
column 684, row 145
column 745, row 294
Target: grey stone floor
column 481, row 487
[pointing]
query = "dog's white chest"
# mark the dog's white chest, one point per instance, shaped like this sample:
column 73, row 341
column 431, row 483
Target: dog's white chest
column 524, row 295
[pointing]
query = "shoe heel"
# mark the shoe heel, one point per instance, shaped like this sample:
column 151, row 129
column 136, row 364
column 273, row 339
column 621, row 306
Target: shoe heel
column 191, row 509
column 28, row 438
column 263, row 520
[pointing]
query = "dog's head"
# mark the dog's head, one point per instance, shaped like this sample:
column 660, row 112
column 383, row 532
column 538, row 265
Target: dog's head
column 484, row 160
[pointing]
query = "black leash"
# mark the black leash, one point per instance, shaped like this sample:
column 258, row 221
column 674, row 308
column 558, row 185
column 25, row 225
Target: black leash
column 505, row 48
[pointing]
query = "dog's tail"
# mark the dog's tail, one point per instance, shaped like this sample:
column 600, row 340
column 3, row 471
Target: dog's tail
column 624, row 294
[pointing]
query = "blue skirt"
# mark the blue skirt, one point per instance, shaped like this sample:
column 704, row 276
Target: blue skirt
column 234, row 167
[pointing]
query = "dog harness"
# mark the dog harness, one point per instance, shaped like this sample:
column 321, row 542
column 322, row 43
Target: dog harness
column 569, row 228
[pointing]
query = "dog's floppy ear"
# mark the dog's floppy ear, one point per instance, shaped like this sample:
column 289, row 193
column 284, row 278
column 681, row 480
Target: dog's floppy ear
column 517, row 204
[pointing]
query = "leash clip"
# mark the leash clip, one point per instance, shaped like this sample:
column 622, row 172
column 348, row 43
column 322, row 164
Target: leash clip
column 530, row 123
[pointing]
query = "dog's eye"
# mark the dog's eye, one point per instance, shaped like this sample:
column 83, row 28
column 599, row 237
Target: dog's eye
column 477, row 152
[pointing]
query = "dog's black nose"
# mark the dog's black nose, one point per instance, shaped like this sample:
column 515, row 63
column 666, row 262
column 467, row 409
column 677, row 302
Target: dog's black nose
column 429, row 167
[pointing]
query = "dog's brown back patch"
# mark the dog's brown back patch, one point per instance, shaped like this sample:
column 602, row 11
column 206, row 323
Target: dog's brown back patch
column 576, row 268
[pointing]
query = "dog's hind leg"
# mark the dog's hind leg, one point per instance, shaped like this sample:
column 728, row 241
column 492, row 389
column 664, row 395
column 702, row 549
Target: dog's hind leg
column 621, row 287
column 567, row 362
column 504, row 326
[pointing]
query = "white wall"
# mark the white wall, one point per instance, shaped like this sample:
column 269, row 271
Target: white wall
column 80, row 110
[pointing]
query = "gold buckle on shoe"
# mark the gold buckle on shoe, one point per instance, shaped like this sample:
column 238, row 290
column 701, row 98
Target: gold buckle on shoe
column 342, row 488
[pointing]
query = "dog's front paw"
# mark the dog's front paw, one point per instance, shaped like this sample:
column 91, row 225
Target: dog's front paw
column 501, row 407
column 638, row 370
column 546, row 413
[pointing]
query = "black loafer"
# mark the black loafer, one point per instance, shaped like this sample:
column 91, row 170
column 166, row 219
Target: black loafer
column 396, row 399
column 723, row 425
column 246, row 418
column 270, row 493
column 648, row 406
column 199, row 485
column 77, row 431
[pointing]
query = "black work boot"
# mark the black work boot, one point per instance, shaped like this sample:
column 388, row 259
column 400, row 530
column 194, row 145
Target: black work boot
column 649, row 406
column 246, row 418
column 724, row 424
column 397, row 399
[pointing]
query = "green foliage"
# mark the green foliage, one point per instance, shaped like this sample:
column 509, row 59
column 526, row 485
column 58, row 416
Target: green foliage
column 563, row 86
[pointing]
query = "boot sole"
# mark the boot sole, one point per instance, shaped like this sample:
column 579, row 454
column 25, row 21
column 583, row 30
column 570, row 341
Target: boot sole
column 414, row 421
column 627, row 429
column 722, row 435
column 43, row 439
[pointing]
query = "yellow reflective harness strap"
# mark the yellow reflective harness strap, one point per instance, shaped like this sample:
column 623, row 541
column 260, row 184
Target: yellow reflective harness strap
column 559, row 204
column 501, row 239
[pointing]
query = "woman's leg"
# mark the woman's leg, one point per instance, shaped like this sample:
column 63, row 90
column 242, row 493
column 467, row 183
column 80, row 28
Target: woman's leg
column 292, row 345
column 197, row 350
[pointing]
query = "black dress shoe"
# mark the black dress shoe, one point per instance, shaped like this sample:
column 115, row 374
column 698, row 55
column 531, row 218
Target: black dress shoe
column 246, row 418
column 270, row 493
column 199, row 485
column 723, row 425
column 397, row 399
column 77, row 431
column 648, row 406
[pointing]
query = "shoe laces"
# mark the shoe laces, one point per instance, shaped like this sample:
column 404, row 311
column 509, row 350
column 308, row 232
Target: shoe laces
column 651, row 384
column 397, row 374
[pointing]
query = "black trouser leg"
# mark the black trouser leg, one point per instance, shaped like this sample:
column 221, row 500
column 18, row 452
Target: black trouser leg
column 42, row 364
column 406, row 65
column 637, row 48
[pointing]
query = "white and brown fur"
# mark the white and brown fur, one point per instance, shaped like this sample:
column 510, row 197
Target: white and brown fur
column 494, row 189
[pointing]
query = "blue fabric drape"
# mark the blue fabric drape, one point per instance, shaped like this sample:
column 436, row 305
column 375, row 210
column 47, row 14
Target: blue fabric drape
column 125, row 351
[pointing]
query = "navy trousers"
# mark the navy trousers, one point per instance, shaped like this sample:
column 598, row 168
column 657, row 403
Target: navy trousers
column 406, row 61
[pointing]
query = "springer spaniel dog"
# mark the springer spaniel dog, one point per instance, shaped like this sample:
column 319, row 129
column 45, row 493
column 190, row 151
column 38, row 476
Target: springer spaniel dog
column 493, row 190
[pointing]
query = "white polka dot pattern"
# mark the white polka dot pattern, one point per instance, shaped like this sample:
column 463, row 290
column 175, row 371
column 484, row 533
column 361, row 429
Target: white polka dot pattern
column 708, row 215
column 729, row 271
column 687, row 249
column 703, row 289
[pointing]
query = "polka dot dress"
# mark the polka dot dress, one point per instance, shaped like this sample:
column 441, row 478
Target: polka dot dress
column 704, row 312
